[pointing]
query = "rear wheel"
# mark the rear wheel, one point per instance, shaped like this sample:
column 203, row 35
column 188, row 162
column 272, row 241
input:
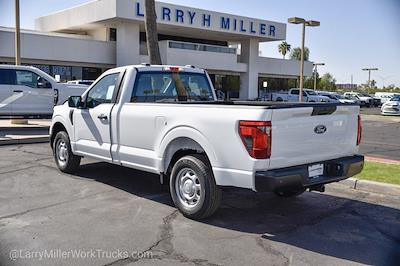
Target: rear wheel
column 290, row 192
column 193, row 188
column 66, row 161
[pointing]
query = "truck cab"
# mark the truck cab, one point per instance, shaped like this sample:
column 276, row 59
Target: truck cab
column 308, row 96
column 28, row 91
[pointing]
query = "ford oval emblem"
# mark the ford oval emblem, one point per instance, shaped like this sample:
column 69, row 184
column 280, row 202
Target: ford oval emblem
column 320, row 129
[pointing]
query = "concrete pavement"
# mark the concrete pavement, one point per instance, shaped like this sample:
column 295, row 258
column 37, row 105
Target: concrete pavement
column 110, row 209
column 36, row 131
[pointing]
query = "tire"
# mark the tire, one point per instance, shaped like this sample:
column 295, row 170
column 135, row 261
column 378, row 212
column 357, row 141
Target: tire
column 279, row 99
column 290, row 192
column 193, row 188
column 66, row 161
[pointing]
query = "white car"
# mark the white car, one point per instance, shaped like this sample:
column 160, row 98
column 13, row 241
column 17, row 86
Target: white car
column 365, row 100
column 336, row 98
column 166, row 120
column 28, row 91
column 293, row 96
column 391, row 107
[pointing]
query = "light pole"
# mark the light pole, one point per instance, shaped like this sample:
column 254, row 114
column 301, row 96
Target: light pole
column 315, row 73
column 17, row 35
column 310, row 23
column 369, row 75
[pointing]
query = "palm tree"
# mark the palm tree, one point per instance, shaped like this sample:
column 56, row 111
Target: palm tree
column 296, row 53
column 284, row 47
column 152, row 33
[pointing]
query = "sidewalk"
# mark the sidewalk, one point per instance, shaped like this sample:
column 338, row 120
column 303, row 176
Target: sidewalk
column 36, row 131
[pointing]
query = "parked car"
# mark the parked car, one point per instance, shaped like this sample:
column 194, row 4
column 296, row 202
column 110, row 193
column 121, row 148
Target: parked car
column 391, row 107
column 81, row 82
column 365, row 100
column 376, row 102
column 386, row 96
column 336, row 97
column 293, row 96
column 28, row 91
column 166, row 120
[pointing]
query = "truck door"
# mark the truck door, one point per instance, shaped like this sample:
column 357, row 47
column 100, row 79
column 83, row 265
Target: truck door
column 7, row 79
column 34, row 94
column 92, row 122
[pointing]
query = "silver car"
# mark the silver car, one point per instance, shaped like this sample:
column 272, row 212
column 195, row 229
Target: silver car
column 391, row 107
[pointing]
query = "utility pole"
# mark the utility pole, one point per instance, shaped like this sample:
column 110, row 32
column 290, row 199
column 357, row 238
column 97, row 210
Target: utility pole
column 369, row 75
column 315, row 73
column 17, row 35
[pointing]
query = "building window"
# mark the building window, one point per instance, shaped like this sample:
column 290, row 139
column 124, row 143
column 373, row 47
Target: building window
column 113, row 35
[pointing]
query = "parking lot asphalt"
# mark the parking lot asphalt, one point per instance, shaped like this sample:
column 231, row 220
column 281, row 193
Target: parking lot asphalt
column 380, row 136
column 106, row 209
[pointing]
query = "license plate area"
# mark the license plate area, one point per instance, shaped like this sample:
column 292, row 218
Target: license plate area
column 315, row 170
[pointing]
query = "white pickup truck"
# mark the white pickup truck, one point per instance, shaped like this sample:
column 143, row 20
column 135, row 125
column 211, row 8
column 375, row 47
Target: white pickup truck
column 28, row 91
column 166, row 120
column 293, row 96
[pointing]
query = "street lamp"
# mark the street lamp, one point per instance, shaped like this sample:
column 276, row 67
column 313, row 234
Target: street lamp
column 369, row 75
column 310, row 23
column 315, row 73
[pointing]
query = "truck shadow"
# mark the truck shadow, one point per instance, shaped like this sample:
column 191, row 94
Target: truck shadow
column 337, row 226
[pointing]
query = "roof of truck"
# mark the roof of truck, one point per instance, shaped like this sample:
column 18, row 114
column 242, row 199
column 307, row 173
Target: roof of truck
column 148, row 67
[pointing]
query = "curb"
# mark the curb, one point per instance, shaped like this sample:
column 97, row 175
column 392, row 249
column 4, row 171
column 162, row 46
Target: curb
column 24, row 141
column 371, row 186
column 381, row 160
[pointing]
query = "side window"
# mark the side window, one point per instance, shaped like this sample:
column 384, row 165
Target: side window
column 295, row 92
column 102, row 91
column 304, row 93
column 7, row 77
column 26, row 78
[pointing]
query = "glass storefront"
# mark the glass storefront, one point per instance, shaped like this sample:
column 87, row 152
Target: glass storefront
column 229, row 84
column 67, row 73
column 275, row 85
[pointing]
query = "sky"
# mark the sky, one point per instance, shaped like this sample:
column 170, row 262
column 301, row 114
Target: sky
column 354, row 34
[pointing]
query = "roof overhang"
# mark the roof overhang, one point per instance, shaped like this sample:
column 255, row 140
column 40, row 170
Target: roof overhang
column 171, row 19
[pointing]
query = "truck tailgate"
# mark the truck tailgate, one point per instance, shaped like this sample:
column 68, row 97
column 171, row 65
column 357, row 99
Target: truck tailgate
column 305, row 135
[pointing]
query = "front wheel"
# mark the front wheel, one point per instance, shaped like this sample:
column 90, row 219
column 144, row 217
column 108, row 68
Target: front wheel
column 193, row 188
column 66, row 161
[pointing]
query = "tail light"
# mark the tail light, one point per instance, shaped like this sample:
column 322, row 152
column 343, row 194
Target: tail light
column 359, row 130
column 256, row 137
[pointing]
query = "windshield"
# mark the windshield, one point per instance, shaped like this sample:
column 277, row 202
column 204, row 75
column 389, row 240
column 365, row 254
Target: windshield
column 171, row 87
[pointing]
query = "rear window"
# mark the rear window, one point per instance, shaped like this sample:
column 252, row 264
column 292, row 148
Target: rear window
column 171, row 87
column 7, row 77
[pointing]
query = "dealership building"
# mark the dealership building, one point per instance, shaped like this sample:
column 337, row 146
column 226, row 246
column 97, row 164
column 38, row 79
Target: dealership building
column 83, row 41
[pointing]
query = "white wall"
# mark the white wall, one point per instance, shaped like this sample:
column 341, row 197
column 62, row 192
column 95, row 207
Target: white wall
column 283, row 67
column 56, row 48
column 127, row 52
column 201, row 59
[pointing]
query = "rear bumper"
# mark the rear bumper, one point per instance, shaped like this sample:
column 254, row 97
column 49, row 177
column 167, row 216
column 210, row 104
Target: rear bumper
column 297, row 176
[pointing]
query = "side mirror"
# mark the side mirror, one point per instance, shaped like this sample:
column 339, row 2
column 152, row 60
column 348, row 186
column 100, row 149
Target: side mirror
column 75, row 102
column 43, row 84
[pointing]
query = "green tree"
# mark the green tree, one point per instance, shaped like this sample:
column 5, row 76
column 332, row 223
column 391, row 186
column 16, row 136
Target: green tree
column 283, row 48
column 327, row 83
column 309, row 81
column 296, row 53
column 152, row 33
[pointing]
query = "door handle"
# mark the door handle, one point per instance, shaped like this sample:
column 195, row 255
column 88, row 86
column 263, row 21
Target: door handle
column 17, row 91
column 102, row 117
